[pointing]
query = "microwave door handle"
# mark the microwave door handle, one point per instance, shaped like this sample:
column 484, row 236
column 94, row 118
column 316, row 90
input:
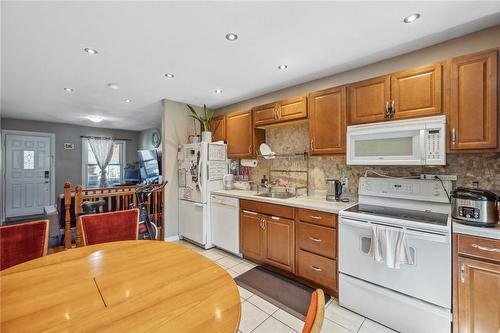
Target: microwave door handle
column 422, row 146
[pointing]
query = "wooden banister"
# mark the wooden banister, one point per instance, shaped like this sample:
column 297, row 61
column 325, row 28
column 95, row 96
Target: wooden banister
column 67, row 215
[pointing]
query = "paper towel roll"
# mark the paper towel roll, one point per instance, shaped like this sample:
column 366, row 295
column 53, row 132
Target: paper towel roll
column 249, row 163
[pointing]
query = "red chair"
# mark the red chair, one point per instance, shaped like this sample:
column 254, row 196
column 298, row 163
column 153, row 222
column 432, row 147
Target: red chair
column 23, row 242
column 316, row 313
column 109, row 227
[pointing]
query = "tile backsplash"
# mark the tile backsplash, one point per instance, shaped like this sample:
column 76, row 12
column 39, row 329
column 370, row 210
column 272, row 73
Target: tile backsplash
column 481, row 167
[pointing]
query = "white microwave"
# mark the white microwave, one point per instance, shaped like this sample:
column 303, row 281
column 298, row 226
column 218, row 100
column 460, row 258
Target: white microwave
column 402, row 142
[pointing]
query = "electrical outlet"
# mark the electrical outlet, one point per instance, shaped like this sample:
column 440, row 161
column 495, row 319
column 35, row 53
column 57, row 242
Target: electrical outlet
column 442, row 177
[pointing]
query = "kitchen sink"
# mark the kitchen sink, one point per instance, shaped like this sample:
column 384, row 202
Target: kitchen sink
column 279, row 195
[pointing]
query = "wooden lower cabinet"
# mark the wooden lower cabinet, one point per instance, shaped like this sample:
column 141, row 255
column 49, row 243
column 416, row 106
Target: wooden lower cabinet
column 476, row 291
column 281, row 237
column 280, row 243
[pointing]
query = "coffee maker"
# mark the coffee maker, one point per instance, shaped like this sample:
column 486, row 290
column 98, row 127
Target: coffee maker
column 334, row 189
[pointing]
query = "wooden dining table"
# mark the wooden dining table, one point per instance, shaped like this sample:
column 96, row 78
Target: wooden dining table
column 129, row 286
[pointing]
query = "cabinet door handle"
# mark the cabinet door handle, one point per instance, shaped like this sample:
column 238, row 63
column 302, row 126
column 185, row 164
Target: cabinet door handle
column 462, row 273
column 312, row 145
column 453, row 136
column 264, row 222
column 279, row 112
column 317, row 269
column 484, row 248
column 315, row 217
column 249, row 212
column 275, row 217
column 393, row 108
column 249, row 148
column 317, row 240
column 386, row 111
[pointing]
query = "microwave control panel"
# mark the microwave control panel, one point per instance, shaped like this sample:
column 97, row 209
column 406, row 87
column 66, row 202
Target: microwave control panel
column 433, row 143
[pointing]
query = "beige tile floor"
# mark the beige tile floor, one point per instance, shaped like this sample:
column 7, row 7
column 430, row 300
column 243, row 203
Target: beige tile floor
column 260, row 316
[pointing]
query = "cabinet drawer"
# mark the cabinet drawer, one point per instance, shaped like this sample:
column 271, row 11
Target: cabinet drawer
column 316, row 217
column 317, row 239
column 479, row 247
column 320, row 270
column 267, row 208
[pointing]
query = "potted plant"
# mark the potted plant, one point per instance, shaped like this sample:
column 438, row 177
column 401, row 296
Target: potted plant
column 205, row 121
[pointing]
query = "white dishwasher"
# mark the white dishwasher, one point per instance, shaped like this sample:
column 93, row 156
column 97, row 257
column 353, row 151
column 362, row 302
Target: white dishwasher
column 225, row 219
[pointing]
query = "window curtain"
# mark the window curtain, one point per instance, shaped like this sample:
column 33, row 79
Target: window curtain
column 102, row 148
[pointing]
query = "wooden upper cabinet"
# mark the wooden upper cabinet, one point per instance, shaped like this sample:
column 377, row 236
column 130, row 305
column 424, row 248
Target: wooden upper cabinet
column 292, row 108
column 265, row 114
column 473, row 102
column 285, row 110
column 367, row 100
column 478, row 296
column 239, row 134
column 280, row 243
column 218, row 128
column 327, row 121
column 417, row 92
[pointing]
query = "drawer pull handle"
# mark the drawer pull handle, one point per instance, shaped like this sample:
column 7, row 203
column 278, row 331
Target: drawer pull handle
column 315, row 217
column 317, row 240
column 317, row 269
column 484, row 248
column 275, row 217
column 249, row 212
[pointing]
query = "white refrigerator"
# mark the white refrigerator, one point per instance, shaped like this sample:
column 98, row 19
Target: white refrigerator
column 201, row 168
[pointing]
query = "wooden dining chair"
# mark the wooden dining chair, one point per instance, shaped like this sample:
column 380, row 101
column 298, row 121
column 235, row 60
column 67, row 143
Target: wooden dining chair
column 316, row 313
column 109, row 227
column 23, row 242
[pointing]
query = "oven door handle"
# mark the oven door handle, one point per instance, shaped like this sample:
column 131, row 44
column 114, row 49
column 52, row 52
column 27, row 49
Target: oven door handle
column 409, row 232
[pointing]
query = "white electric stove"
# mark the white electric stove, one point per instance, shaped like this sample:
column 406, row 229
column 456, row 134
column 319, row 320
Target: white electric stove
column 414, row 298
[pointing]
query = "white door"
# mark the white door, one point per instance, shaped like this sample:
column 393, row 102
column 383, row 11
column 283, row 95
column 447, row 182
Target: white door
column 27, row 174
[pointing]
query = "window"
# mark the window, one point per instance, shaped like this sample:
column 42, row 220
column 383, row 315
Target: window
column 91, row 171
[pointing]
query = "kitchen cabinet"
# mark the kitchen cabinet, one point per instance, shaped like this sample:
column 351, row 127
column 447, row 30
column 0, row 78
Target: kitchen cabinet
column 282, row 111
column 242, row 139
column 327, row 121
column 476, row 284
column 473, row 114
column 251, row 235
column 267, row 234
column 407, row 94
column 317, row 248
column 218, row 128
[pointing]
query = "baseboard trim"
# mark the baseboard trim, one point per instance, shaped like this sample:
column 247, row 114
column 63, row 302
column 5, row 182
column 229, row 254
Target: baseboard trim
column 172, row 238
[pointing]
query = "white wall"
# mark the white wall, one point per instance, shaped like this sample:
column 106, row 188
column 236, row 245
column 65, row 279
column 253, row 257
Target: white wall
column 177, row 126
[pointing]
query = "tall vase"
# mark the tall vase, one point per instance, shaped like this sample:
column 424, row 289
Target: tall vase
column 206, row 136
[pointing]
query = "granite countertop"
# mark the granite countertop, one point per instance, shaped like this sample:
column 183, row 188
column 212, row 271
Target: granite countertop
column 487, row 232
column 315, row 202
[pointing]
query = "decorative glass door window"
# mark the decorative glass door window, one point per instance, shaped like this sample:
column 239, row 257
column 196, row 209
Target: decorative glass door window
column 29, row 160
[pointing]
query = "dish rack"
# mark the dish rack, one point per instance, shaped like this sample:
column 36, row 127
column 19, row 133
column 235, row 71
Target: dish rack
column 271, row 170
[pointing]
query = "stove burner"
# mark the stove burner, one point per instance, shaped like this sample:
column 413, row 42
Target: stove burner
column 398, row 213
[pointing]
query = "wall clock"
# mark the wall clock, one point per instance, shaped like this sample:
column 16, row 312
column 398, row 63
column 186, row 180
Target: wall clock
column 155, row 138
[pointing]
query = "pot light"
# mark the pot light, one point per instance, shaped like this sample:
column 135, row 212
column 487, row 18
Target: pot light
column 113, row 86
column 95, row 118
column 231, row 36
column 282, row 67
column 69, row 90
column 411, row 18
column 169, row 75
column 128, row 101
column 218, row 91
column 90, row 51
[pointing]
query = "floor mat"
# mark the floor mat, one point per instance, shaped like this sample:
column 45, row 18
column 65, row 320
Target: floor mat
column 285, row 293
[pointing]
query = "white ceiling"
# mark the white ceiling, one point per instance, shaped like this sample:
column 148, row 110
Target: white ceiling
column 138, row 42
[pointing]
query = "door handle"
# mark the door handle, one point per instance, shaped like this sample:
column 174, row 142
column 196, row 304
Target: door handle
column 453, row 136
column 317, row 269
column 484, row 248
column 393, row 108
column 315, row 217
column 386, row 111
column 462, row 273
column 249, row 148
column 312, row 145
column 275, row 217
column 198, row 205
column 317, row 240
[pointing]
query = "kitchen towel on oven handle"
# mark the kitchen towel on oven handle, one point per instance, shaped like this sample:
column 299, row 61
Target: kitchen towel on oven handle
column 390, row 245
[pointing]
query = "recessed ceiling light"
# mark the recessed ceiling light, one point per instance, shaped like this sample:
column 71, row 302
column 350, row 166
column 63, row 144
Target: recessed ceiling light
column 169, row 75
column 218, row 91
column 128, row 101
column 95, row 118
column 69, row 89
column 89, row 50
column 411, row 18
column 282, row 67
column 231, row 36
column 113, row 86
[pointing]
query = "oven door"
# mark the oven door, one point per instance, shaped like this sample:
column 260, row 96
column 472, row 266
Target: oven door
column 428, row 278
